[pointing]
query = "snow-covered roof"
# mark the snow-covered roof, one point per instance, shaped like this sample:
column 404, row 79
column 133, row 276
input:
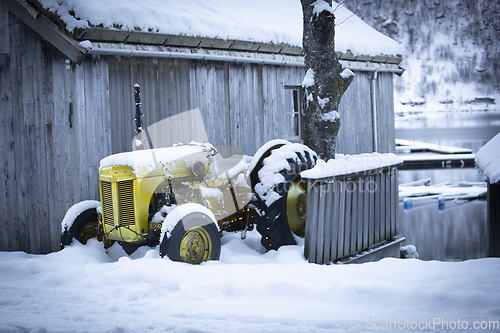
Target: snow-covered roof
column 264, row 21
column 488, row 159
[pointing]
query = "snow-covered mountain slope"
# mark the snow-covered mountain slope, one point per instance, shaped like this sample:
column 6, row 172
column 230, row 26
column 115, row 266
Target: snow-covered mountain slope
column 452, row 48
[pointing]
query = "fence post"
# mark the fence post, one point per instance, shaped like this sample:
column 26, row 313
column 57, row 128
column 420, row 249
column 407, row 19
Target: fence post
column 494, row 218
column 321, row 225
column 335, row 221
column 354, row 216
column 359, row 241
column 328, row 254
column 311, row 222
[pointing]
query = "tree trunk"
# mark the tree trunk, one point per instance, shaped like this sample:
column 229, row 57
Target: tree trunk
column 325, row 82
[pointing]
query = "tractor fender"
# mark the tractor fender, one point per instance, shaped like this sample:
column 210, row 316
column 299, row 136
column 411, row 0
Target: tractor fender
column 257, row 161
column 75, row 211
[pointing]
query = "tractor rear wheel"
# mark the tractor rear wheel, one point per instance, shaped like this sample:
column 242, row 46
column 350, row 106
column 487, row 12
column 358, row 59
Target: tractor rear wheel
column 286, row 214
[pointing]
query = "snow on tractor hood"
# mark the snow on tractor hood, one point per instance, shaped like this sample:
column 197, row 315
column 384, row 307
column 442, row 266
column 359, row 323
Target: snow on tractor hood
column 150, row 158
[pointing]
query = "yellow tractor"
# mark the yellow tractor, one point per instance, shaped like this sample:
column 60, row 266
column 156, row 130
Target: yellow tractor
column 183, row 197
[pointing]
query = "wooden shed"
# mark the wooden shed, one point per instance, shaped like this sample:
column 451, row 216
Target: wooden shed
column 66, row 105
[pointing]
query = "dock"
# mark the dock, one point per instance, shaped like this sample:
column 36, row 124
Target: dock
column 423, row 192
column 410, row 146
column 422, row 155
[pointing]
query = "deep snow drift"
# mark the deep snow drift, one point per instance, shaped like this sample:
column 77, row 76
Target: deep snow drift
column 83, row 289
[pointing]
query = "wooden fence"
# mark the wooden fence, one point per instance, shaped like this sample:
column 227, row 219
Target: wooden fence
column 351, row 214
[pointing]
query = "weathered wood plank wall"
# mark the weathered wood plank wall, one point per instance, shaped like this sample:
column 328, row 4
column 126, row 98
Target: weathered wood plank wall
column 386, row 130
column 241, row 105
column 355, row 134
column 356, row 118
column 4, row 30
column 165, row 86
column 48, row 164
column 7, row 182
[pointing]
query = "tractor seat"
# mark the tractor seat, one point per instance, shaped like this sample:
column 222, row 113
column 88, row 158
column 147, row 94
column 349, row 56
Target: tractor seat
column 224, row 168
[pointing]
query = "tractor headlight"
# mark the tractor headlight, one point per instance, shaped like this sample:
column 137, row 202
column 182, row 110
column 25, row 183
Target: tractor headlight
column 198, row 169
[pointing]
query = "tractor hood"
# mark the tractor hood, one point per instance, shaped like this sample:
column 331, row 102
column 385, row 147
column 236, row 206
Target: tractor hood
column 146, row 161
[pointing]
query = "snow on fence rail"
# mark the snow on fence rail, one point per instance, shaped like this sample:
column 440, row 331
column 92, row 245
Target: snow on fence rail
column 352, row 214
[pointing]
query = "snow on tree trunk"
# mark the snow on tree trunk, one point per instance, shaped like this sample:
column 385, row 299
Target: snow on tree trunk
column 325, row 81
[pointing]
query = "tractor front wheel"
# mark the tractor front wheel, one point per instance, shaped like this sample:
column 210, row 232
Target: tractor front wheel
column 193, row 240
column 83, row 228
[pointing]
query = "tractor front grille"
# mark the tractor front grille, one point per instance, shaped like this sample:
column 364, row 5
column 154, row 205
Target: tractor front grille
column 125, row 203
column 126, row 214
column 107, row 203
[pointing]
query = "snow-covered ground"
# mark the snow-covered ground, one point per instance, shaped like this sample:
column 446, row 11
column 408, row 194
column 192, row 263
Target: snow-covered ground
column 84, row 289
